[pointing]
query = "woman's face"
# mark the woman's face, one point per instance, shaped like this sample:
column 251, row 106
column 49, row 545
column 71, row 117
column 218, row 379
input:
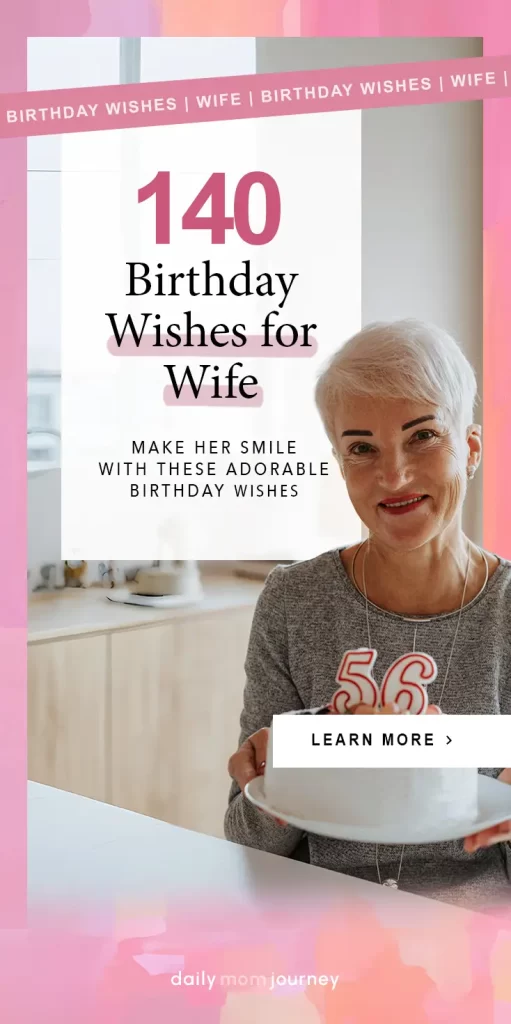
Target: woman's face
column 395, row 451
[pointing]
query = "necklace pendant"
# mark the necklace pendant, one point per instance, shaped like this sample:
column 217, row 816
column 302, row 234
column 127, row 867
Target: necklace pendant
column 391, row 883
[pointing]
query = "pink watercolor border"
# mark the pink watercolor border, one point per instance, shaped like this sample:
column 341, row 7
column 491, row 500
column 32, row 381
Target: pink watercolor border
column 13, row 512
column 490, row 19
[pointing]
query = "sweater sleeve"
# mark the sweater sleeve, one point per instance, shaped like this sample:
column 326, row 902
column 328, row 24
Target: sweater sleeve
column 269, row 690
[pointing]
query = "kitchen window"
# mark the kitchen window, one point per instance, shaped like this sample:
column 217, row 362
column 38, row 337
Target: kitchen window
column 52, row 64
column 60, row 63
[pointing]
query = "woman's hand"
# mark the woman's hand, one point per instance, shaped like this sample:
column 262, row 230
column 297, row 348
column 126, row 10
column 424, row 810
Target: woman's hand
column 249, row 761
column 489, row 836
column 387, row 709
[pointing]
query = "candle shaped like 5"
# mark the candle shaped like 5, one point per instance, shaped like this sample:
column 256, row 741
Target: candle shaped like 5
column 403, row 682
column 357, row 683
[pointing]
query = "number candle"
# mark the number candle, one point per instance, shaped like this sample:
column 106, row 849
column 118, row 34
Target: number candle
column 404, row 683
column 357, row 683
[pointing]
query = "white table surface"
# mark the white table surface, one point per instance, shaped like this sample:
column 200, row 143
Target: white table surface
column 81, row 851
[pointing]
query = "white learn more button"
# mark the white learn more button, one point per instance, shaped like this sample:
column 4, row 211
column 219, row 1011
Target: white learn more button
column 373, row 741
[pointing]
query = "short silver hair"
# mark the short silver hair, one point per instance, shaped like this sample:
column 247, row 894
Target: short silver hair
column 399, row 359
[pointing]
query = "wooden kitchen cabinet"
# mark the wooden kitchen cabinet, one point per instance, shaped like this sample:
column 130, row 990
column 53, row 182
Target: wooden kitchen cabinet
column 140, row 712
column 176, row 697
column 210, row 678
column 143, row 720
column 67, row 723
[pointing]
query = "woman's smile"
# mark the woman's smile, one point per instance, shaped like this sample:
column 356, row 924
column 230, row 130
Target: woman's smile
column 400, row 505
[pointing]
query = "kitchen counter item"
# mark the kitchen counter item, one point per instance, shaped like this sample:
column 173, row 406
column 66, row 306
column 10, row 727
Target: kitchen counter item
column 156, row 583
column 151, row 600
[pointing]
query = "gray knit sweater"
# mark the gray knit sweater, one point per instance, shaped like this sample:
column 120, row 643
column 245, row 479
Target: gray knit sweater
column 307, row 615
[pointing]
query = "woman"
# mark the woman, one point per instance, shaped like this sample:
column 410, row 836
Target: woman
column 397, row 404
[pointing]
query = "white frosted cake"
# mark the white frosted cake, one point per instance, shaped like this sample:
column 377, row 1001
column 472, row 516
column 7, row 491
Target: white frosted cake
column 366, row 797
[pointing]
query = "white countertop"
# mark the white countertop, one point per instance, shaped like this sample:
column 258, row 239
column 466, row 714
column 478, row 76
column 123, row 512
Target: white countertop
column 73, row 612
column 82, row 851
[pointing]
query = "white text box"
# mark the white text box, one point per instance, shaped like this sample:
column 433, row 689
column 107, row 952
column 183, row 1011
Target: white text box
column 367, row 741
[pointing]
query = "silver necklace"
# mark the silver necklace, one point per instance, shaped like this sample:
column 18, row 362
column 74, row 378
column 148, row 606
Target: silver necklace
column 393, row 883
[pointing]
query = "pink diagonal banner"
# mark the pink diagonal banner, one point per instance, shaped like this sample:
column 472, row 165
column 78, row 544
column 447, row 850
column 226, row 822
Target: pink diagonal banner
column 100, row 108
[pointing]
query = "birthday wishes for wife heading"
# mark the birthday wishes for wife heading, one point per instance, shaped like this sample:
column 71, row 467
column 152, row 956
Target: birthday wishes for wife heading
column 148, row 333
column 145, row 331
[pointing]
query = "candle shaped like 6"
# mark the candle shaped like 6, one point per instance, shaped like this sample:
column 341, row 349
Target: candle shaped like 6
column 404, row 682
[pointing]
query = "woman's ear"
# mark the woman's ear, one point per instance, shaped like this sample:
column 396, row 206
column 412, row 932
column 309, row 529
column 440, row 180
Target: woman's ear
column 474, row 446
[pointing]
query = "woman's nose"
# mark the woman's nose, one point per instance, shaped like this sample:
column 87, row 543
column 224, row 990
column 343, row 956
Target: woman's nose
column 395, row 471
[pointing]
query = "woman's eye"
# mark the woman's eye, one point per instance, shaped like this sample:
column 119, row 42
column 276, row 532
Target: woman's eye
column 424, row 435
column 361, row 449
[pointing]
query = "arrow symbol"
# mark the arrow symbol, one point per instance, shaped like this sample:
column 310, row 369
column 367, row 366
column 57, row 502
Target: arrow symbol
column 449, row 740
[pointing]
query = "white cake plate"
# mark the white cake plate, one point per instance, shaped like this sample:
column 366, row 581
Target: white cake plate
column 494, row 806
